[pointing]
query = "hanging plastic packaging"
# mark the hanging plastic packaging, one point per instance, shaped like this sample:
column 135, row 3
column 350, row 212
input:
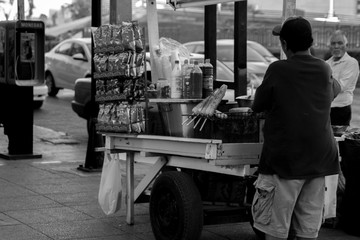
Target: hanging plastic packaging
column 110, row 190
column 176, row 81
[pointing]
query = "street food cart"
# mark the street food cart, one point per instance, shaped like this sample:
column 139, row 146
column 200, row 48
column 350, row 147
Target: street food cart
column 203, row 172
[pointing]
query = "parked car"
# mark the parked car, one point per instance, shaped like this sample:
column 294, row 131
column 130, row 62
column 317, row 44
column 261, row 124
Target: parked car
column 256, row 63
column 40, row 93
column 81, row 102
column 66, row 62
column 263, row 51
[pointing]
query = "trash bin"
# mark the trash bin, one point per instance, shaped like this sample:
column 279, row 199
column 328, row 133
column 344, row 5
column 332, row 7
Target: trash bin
column 350, row 164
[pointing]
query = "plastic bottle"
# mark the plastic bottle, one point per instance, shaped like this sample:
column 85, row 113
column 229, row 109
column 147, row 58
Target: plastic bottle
column 184, row 69
column 176, row 81
column 201, row 65
column 196, row 81
column 187, row 88
column 208, row 79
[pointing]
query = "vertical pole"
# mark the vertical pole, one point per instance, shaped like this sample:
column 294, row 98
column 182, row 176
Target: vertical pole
column 120, row 10
column 153, row 36
column 240, row 46
column 130, row 187
column 289, row 7
column 210, row 36
column 93, row 159
column 21, row 11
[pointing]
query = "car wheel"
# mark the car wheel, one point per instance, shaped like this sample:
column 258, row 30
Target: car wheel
column 37, row 104
column 176, row 210
column 50, row 83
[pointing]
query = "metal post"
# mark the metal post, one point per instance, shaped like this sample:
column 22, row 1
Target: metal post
column 240, row 46
column 289, row 7
column 93, row 160
column 120, row 10
column 210, row 37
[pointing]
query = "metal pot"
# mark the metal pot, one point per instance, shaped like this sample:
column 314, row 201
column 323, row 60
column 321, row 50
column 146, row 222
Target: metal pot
column 245, row 101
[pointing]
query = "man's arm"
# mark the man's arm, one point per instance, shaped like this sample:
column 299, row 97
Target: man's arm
column 336, row 87
column 262, row 100
column 349, row 76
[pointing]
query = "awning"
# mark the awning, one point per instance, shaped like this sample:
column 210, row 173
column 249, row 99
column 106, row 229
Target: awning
column 69, row 26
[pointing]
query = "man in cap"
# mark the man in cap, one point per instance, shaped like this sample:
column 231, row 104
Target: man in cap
column 299, row 148
column 346, row 70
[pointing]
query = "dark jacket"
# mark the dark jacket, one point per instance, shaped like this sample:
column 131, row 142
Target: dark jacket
column 296, row 95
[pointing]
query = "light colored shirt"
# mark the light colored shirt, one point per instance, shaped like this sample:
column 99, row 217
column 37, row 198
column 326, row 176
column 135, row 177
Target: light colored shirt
column 346, row 72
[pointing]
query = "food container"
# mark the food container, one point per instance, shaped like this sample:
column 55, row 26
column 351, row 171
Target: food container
column 245, row 101
column 163, row 88
column 240, row 110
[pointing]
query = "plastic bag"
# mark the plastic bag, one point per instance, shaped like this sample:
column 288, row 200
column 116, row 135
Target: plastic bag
column 331, row 184
column 110, row 190
column 168, row 45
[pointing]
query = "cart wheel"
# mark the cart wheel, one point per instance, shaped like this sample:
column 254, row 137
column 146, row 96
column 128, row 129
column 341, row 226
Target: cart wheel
column 176, row 210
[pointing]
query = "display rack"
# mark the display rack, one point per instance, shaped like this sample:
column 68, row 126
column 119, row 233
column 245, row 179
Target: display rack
column 121, row 85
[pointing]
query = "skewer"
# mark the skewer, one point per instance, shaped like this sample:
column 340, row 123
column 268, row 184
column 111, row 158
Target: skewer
column 203, row 124
column 191, row 120
column 187, row 119
column 197, row 123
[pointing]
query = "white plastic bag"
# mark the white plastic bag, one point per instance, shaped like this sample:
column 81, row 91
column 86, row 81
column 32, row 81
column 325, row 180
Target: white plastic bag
column 110, row 190
column 331, row 184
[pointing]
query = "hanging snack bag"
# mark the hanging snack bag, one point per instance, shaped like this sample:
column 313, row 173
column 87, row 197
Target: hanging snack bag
column 109, row 87
column 139, row 87
column 116, row 38
column 131, row 65
column 123, row 59
column 140, row 69
column 137, row 36
column 112, row 62
column 97, row 37
column 106, row 116
column 141, row 114
column 128, row 64
column 106, row 35
column 113, row 114
column 100, row 87
column 127, row 36
column 101, row 112
column 134, row 119
column 123, row 117
column 100, row 62
column 97, row 59
column 117, row 87
column 128, row 89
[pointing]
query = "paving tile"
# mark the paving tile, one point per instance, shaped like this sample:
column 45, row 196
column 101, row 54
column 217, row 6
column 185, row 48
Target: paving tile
column 25, row 174
column 117, row 237
column 77, row 229
column 94, row 210
column 21, row 232
column 336, row 234
column 75, row 199
column 48, row 215
column 11, row 190
column 138, row 228
column 6, row 220
column 26, row 203
column 62, row 187
column 232, row 231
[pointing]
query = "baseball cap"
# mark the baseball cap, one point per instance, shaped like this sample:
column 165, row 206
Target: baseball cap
column 295, row 26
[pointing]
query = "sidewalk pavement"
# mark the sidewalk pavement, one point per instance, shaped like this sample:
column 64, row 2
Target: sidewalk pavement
column 48, row 198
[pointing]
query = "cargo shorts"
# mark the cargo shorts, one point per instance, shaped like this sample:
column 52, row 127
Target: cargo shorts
column 283, row 207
